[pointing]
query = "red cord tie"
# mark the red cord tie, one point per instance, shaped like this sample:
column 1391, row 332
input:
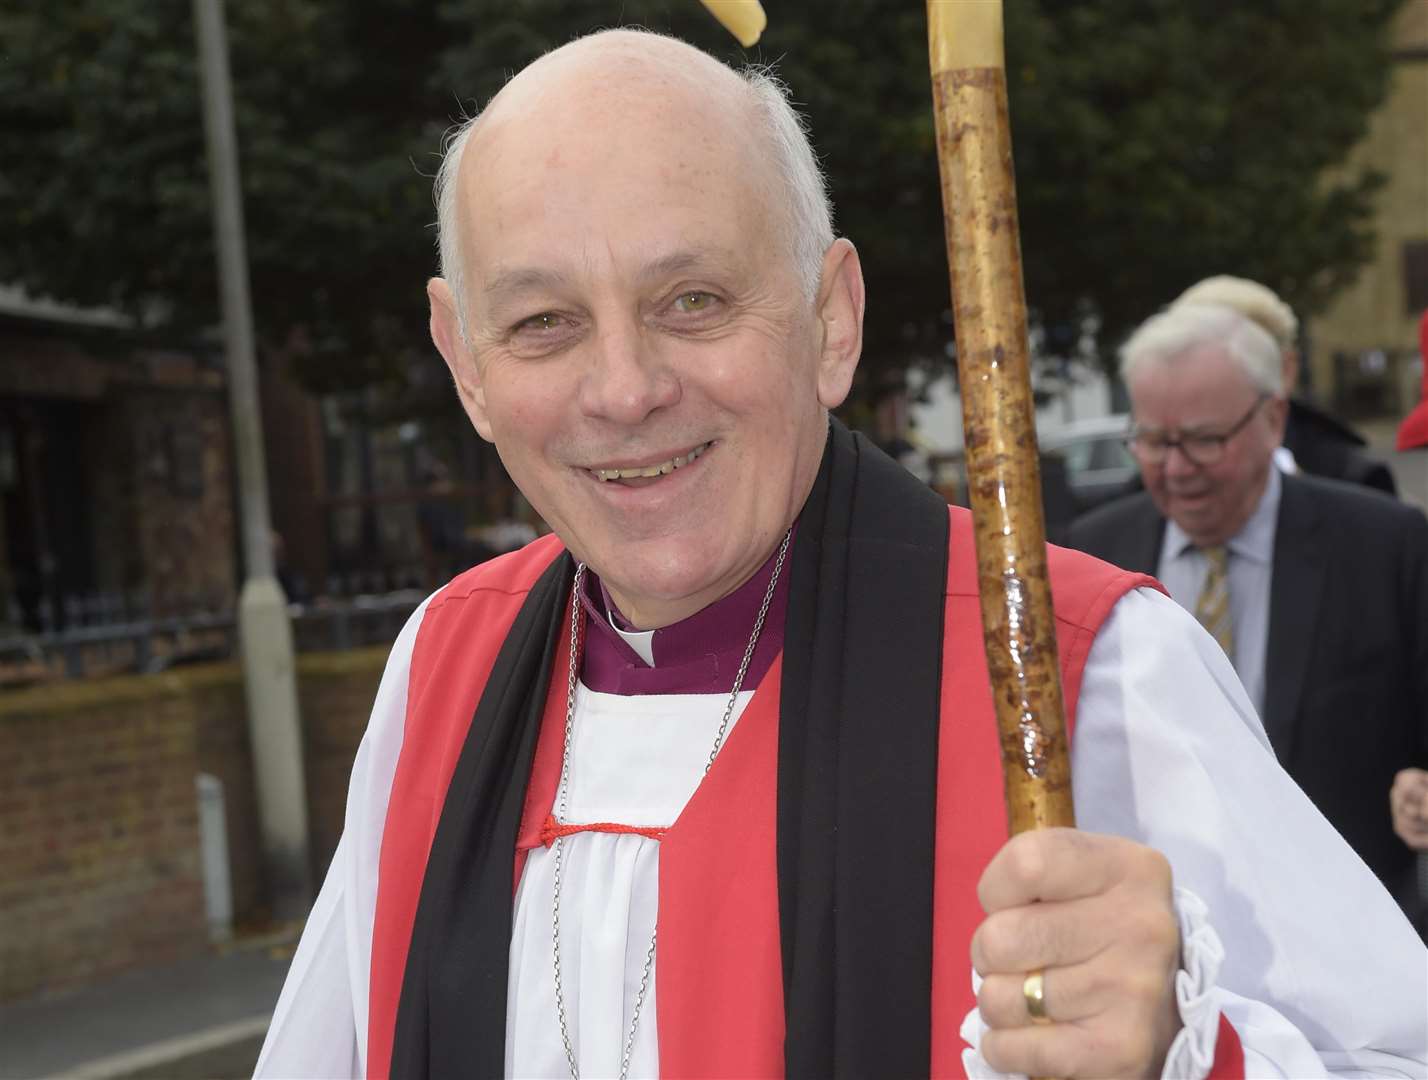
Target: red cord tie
column 551, row 832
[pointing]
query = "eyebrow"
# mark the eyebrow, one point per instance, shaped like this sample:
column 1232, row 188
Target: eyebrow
column 676, row 262
column 521, row 278
column 1192, row 430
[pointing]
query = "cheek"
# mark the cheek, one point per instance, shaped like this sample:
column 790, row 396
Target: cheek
column 1238, row 468
column 523, row 409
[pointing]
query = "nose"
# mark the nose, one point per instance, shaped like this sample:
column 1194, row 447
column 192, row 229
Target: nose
column 626, row 379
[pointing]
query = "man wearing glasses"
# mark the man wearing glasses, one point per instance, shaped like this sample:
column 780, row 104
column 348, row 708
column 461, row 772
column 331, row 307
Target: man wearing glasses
column 1317, row 590
column 1314, row 441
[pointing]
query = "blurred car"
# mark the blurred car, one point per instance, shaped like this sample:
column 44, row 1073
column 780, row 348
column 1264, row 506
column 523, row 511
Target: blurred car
column 1083, row 464
column 1099, row 466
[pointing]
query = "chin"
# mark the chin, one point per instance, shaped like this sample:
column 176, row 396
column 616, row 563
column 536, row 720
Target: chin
column 670, row 577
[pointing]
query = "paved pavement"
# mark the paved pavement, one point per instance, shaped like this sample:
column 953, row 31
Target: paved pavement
column 201, row 1018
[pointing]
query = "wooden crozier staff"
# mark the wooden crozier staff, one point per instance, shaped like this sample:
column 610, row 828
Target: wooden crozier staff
column 969, row 90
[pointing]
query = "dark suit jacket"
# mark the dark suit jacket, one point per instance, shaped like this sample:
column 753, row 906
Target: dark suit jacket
column 1324, row 446
column 1346, row 663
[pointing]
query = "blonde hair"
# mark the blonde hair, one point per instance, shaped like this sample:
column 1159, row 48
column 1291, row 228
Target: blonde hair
column 1250, row 299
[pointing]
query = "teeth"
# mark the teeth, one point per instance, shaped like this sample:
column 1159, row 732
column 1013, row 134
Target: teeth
column 664, row 468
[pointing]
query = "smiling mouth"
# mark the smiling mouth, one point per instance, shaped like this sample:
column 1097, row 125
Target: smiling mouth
column 662, row 468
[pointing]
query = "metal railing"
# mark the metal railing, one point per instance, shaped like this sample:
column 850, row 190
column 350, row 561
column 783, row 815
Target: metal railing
column 109, row 635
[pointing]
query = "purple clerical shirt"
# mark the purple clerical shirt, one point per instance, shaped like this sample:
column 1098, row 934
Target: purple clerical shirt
column 697, row 655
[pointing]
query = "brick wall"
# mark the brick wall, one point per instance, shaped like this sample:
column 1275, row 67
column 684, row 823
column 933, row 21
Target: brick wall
column 335, row 692
column 99, row 843
column 99, row 866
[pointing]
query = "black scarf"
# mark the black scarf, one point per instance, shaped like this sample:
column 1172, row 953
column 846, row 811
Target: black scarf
column 857, row 788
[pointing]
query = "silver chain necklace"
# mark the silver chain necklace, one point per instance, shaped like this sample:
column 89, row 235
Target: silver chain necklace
column 575, row 624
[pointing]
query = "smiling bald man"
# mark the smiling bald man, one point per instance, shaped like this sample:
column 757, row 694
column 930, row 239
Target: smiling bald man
column 707, row 782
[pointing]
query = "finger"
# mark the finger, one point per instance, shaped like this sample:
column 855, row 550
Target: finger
column 1067, row 1051
column 1064, row 864
column 1068, row 994
column 1049, row 934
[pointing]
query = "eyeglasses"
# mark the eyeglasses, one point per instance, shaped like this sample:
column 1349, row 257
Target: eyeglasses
column 1203, row 448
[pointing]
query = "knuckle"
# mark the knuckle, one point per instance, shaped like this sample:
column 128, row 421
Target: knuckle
column 1152, row 923
column 995, row 943
column 1149, row 866
column 1026, row 859
column 1146, row 986
column 1160, row 871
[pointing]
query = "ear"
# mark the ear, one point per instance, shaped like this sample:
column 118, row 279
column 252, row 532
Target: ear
column 1290, row 367
column 446, row 334
column 1277, row 411
column 840, row 312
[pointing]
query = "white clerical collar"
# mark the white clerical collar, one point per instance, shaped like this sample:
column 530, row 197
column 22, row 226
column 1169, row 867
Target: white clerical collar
column 642, row 641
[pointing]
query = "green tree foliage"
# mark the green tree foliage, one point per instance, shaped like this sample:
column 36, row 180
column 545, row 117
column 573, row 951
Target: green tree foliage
column 1198, row 135
column 104, row 194
column 1157, row 141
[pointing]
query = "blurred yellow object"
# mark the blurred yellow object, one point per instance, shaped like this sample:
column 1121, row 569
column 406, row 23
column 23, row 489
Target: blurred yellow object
column 745, row 19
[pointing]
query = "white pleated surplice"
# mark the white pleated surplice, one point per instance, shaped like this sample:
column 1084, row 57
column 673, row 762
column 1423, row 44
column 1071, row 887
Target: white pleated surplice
column 634, row 761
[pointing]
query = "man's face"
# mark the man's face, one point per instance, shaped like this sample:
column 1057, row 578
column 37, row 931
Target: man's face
column 1206, row 392
column 631, row 309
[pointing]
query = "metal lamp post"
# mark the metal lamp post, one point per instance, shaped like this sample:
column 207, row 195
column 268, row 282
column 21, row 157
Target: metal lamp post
column 264, row 629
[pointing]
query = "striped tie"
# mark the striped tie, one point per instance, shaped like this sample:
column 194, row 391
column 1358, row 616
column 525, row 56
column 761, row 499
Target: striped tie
column 1213, row 607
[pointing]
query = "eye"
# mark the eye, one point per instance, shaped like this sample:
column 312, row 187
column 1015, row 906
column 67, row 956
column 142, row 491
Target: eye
column 693, row 302
column 546, row 320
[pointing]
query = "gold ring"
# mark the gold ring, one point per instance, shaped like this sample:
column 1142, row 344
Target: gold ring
column 1033, row 990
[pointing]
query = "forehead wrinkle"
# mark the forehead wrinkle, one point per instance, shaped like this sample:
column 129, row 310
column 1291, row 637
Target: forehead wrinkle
column 511, row 281
column 713, row 259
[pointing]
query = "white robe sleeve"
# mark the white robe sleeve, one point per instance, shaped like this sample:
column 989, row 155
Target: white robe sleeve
column 1290, row 935
column 319, row 1028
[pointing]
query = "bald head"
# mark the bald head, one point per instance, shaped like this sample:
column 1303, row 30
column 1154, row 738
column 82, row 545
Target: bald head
column 612, row 65
column 619, row 87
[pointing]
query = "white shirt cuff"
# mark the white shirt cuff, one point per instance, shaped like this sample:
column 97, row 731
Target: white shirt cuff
column 1193, row 1049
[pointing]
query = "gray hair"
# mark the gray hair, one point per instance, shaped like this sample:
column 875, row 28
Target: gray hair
column 1185, row 326
column 1250, row 299
column 798, row 182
